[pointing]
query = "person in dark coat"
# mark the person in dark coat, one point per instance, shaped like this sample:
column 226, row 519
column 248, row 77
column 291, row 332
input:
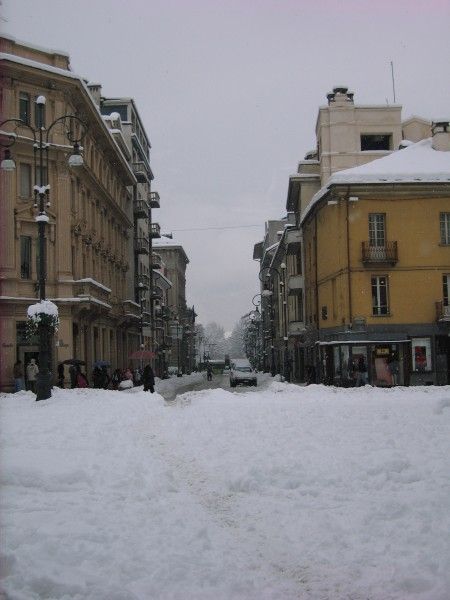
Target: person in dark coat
column 116, row 379
column 105, row 378
column 148, row 378
column 19, row 383
column 73, row 376
column 61, row 375
column 97, row 378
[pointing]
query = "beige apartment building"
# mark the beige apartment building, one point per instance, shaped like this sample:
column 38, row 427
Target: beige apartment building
column 181, row 318
column 92, row 233
column 347, row 135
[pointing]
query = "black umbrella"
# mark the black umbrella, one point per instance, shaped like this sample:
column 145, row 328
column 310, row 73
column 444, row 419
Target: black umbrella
column 73, row 361
column 102, row 363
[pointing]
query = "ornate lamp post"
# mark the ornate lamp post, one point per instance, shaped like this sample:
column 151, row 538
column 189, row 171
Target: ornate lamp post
column 74, row 130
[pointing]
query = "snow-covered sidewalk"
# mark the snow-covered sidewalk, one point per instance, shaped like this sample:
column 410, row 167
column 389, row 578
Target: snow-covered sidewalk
column 287, row 492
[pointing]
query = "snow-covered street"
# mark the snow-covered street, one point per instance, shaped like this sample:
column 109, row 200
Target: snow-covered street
column 283, row 492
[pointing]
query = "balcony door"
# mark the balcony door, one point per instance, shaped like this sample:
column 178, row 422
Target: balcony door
column 446, row 294
column 377, row 236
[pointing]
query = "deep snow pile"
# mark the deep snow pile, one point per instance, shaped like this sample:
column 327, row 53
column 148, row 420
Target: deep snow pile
column 288, row 492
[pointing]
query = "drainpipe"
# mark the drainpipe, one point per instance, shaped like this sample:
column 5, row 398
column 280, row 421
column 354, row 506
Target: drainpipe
column 350, row 307
column 317, row 291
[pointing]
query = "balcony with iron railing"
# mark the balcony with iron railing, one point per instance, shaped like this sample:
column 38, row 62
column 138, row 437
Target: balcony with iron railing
column 141, row 245
column 379, row 255
column 141, row 172
column 442, row 312
column 296, row 328
column 153, row 199
column 140, row 209
column 295, row 284
column 143, row 281
column 156, row 294
column 155, row 230
column 293, row 241
column 156, row 261
column 159, row 323
column 90, row 288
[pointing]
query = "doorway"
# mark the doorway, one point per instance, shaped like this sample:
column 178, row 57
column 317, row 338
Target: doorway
column 442, row 360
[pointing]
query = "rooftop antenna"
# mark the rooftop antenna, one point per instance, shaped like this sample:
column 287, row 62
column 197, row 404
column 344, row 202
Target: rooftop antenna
column 393, row 79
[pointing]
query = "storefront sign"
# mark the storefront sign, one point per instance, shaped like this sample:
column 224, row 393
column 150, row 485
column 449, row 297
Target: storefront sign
column 380, row 351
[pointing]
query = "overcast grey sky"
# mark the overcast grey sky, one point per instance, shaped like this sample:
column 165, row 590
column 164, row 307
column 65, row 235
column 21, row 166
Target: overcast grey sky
column 229, row 90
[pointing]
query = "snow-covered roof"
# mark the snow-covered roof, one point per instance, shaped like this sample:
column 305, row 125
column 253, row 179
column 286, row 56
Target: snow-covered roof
column 34, row 46
column 417, row 163
column 66, row 73
column 160, row 244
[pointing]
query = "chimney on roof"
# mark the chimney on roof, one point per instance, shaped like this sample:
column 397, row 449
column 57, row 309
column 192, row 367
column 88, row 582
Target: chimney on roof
column 440, row 129
column 96, row 92
column 340, row 95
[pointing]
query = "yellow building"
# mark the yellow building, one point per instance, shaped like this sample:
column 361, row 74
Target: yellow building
column 90, row 228
column 377, row 269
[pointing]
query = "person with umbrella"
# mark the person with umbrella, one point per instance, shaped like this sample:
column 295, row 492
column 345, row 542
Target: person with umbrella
column 73, row 376
column 105, row 377
column 148, row 378
column 97, row 377
column 73, row 369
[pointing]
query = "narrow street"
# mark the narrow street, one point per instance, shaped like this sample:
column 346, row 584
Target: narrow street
column 218, row 381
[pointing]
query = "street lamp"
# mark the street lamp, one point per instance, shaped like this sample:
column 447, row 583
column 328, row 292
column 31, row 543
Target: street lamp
column 74, row 130
column 258, row 318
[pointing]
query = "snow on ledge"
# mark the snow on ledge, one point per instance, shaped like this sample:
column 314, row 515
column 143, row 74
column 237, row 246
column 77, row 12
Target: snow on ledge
column 94, row 282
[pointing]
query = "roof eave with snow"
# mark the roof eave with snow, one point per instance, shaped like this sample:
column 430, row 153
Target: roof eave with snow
column 419, row 163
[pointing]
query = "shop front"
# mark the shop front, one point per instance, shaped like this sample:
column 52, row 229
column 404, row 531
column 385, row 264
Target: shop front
column 378, row 363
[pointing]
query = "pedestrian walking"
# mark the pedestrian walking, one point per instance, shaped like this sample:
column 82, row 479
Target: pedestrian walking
column 128, row 374
column 361, row 372
column 61, row 375
column 137, row 377
column 81, row 380
column 105, row 378
column 73, row 376
column 19, row 383
column 148, row 379
column 97, row 378
column 32, row 373
column 209, row 372
column 116, row 378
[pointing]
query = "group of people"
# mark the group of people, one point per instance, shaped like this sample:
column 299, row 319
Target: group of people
column 120, row 378
column 78, row 379
column 135, row 377
column 31, row 370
